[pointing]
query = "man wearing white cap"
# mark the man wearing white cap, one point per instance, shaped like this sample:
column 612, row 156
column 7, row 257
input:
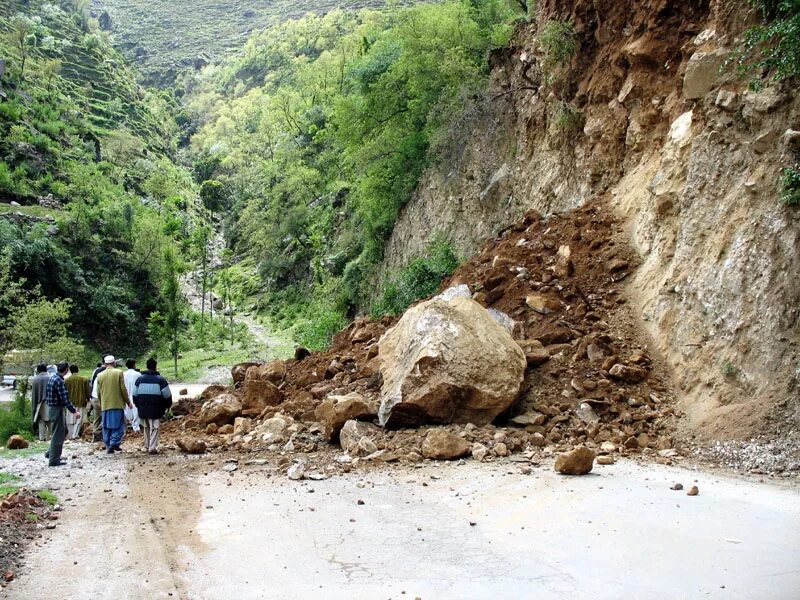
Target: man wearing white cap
column 109, row 388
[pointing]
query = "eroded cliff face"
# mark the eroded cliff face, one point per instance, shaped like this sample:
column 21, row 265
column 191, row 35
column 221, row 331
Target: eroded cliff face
column 645, row 119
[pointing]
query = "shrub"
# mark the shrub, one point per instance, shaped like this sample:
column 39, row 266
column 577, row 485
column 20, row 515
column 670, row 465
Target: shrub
column 775, row 44
column 790, row 187
column 558, row 43
column 419, row 279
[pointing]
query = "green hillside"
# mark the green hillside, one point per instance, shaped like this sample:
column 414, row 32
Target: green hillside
column 87, row 154
column 167, row 37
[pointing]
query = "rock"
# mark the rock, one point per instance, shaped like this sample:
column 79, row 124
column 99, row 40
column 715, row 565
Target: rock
column 335, row 411
column 274, row 372
column 586, row 413
column 500, row 449
column 479, row 451
column 535, row 352
column 366, row 446
column 353, row 432
column 191, row 445
column 605, row 460
column 529, row 418
column 693, row 491
column 617, row 265
column 273, row 429
column 595, row 353
column 8, row 576
column 544, row 305
column 221, row 410
column 608, row 447
column 628, row 373
column 538, row 440
column 297, row 472
column 564, row 266
column 763, row 101
column 300, row 353
column 631, row 443
column 791, row 140
column 503, row 320
column 15, row 203
column 577, row 462
column 726, row 100
column 440, row 444
column 183, row 392
column 448, row 362
column 457, row 291
column 239, row 372
column 225, row 429
column 676, row 486
column 17, row 442
column 212, row 392
column 230, row 467
column 213, row 428
column 258, row 395
column 242, row 426
column 702, row 73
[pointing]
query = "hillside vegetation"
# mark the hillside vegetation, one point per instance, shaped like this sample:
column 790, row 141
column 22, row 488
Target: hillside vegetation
column 165, row 38
column 87, row 155
column 314, row 136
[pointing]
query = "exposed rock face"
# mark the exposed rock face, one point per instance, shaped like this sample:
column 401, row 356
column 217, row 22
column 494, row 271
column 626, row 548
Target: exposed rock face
column 448, row 362
column 222, row 410
column 440, row 444
column 16, row 442
column 577, row 462
column 335, row 411
column 686, row 156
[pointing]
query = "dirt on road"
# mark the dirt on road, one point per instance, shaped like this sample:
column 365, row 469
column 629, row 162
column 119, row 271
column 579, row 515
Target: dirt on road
column 234, row 526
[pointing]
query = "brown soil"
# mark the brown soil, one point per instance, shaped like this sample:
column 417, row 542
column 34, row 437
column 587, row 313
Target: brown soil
column 577, row 343
column 22, row 515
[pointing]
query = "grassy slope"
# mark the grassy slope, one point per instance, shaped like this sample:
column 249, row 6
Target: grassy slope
column 176, row 31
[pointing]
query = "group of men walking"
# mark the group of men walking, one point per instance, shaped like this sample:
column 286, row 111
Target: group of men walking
column 63, row 399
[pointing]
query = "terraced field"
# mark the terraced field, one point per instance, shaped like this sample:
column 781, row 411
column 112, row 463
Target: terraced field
column 167, row 37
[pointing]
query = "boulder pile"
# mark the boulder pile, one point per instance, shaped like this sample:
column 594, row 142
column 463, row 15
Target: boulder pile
column 531, row 347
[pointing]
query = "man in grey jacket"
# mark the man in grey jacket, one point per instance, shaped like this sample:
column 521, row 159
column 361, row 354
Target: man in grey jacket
column 39, row 412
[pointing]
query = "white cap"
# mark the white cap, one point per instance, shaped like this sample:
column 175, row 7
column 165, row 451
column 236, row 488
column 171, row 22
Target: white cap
column 109, row 360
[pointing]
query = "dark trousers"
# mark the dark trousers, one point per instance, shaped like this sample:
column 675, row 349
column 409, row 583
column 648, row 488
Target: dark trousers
column 59, row 429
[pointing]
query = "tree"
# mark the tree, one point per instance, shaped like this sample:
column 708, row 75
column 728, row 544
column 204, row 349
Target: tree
column 167, row 324
column 213, row 195
column 21, row 27
column 39, row 332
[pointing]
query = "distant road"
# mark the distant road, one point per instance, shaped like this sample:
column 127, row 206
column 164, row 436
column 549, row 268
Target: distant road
column 194, row 389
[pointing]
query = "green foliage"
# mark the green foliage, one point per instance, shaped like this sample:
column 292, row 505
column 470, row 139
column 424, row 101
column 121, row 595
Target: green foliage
column 558, row 44
column 729, row 369
column 48, row 497
column 568, row 119
column 773, row 46
column 790, row 187
column 14, row 422
column 419, row 279
column 319, row 131
column 167, row 324
column 213, row 195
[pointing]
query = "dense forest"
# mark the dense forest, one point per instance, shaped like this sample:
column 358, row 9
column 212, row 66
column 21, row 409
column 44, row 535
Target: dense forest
column 313, row 137
column 94, row 204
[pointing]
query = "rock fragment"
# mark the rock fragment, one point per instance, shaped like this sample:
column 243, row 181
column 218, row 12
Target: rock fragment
column 576, row 462
column 440, row 444
column 191, row 445
column 17, row 442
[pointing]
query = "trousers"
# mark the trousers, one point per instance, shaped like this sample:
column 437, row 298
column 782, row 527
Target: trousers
column 113, row 426
column 59, row 432
column 150, row 429
column 97, row 421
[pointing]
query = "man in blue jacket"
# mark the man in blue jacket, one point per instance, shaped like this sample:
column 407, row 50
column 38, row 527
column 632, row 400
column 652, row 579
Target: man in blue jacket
column 152, row 397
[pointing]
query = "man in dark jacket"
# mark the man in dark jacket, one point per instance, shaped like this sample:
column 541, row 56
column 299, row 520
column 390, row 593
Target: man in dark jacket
column 57, row 399
column 152, row 397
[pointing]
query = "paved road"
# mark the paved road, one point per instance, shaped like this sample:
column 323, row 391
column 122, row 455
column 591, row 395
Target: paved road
column 182, row 526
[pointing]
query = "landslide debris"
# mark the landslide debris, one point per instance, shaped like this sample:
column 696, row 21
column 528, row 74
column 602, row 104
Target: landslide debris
column 557, row 337
column 23, row 514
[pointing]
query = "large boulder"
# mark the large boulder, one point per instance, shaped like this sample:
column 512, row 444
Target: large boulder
column 335, row 411
column 238, row 372
column 258, row 395
column 221, row 410
column 441, row 444
column 274, row 372
column 448, row 362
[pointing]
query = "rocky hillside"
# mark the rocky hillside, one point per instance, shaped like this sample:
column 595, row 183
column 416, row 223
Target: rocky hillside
column 165, row 38
column 634, row 109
